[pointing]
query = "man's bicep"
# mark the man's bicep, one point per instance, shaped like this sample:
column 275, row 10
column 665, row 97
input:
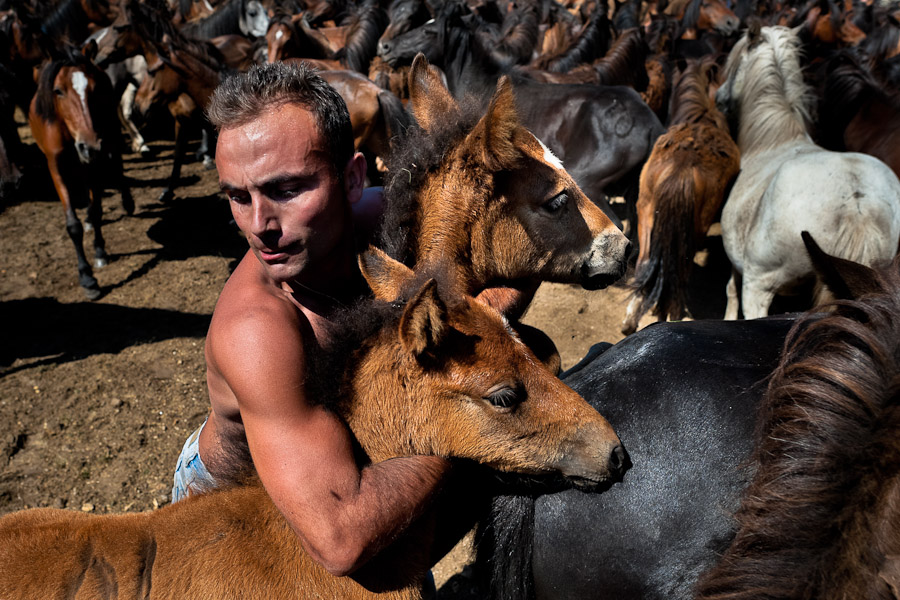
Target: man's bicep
column 302, row 452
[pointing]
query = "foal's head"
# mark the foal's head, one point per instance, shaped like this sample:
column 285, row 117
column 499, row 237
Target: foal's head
column 447, row 375
column 489, row 198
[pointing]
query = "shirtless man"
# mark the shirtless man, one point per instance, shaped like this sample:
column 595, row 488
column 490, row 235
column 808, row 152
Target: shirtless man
column 286, row 164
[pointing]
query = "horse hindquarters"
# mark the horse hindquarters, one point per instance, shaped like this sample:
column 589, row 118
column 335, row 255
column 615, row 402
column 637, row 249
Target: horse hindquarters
column 848, row 202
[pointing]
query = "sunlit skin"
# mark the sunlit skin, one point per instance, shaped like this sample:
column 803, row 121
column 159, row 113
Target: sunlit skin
column 297, row 216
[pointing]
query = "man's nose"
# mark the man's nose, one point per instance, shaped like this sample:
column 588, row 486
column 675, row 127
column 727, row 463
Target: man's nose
column 264, row 217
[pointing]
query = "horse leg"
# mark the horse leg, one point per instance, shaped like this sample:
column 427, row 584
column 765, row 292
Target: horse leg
column 181, row 131
column 95, row 217
column 203, row 151
column 126, row 105
column 731, row 292
column 76, row 232
column 756, row 297
column 632, row 315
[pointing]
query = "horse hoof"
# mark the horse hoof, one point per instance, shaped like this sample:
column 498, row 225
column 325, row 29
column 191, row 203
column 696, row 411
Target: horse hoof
column 167, row 196
column 92, row 293
column 208, row 163
column 88, row 226
column 100, row 262
column 144, row 150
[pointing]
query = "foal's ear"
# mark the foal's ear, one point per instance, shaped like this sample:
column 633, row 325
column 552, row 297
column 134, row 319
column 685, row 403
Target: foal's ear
column 496, row 130
column 385, row 276
column 431, row 100
column 846, row 279
column 424, row 320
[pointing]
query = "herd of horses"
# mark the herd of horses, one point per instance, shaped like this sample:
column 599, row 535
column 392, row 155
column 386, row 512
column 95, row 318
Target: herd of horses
column 759, row 458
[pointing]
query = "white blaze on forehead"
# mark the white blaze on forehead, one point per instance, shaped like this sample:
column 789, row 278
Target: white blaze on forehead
column 208, row 5
column 79, row 84
column 279, row 34
column 549, row 157
column 429, row 22
column 102, row 34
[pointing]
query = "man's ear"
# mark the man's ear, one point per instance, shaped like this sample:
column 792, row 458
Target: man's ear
column 355, row 177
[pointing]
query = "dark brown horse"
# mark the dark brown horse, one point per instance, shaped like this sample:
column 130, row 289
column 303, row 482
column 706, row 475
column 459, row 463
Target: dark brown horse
column 683, row 185
column 821, row 517
column 72, row 118
column 426, row 372
column 858, row 113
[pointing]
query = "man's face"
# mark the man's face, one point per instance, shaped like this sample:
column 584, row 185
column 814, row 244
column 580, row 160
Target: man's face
column 284, row 194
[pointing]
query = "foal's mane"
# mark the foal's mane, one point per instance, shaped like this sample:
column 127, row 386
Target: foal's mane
column 415, row 156
column 775, row 101
column 827, row 447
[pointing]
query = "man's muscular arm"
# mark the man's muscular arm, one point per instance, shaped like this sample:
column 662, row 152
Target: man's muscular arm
column 303, row 452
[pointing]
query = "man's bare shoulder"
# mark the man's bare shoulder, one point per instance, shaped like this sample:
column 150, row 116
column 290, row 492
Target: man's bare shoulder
column 253, row 315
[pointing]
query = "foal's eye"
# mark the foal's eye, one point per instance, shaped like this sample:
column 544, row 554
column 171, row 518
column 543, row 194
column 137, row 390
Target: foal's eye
column 506, row 398
column 556, row 203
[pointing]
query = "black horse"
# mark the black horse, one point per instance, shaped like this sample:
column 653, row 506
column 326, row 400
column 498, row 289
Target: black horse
column 603, row 134
column 683, row 398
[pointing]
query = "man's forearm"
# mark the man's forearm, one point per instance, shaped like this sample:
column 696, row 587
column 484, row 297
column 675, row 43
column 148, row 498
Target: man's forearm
column 391, row 495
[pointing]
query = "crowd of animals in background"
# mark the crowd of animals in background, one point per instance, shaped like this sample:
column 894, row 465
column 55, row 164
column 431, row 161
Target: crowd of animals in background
column 774, row 119
column 624, row 95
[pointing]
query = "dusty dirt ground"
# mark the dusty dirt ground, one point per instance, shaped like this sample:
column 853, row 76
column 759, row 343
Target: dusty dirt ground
column 96, row 398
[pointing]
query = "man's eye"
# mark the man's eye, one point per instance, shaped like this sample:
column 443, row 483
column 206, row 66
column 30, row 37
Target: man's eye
column 237, row 198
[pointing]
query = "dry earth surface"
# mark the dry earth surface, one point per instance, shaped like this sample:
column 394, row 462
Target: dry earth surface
column 96, row 398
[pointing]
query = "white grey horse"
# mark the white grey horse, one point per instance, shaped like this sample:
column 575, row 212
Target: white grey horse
column 849, row 202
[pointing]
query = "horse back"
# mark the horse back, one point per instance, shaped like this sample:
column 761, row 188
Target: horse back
column 683, row 397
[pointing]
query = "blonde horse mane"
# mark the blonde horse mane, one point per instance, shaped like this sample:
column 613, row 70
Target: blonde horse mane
column 775, row 100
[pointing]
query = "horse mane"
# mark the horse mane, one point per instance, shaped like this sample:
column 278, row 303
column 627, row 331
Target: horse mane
column 880, row 42
column 690, row 98
column 775, row 101
column 811, row 524
column 417, row 155
column 44, row 104
column 848, row 85
column 593, row 42
column 365, row 28
column 519, row 38
column 627, row 15
column 625, row 61
column 67, row 16
column 152, row 21
column 220, row 22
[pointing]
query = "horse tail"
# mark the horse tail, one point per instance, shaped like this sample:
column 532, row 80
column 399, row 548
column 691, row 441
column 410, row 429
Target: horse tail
column 505, row 540
column 662, row 280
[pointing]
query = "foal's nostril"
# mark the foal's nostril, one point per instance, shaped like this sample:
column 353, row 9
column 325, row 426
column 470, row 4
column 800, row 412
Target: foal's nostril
column 618, row 461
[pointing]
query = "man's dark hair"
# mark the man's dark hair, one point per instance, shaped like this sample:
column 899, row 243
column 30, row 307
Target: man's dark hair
column 243, row 97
